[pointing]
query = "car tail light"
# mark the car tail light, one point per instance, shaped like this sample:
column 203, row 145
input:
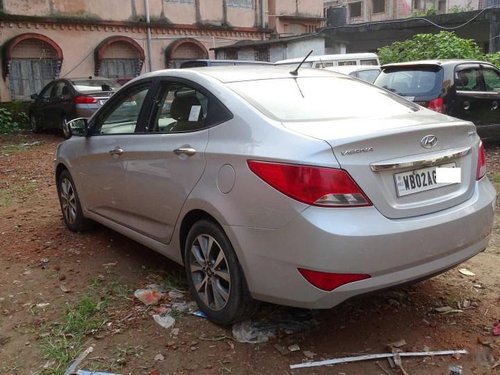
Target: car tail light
column 329, row 281
column 317, row 186
column 84, row 99
column 481, row 162
column 436, row 105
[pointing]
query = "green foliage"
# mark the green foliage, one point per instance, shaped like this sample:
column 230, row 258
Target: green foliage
column 444, row 45
column 13, row 117
column 493, row 58
column 460, row 9
column 424, row 12
column 7, row 123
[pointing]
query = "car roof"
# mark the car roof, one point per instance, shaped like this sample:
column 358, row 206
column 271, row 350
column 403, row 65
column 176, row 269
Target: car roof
column 443, row 62
column 346, row 69
column 239, row 73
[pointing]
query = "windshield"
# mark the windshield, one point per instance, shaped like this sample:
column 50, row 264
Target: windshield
column 93, row 85
column 412, row 81
column 320, row 98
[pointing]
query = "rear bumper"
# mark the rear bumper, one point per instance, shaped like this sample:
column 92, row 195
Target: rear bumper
column 360, row 240
column 489, row 132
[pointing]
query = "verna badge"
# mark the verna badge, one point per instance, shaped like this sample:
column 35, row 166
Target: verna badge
column 429, row 141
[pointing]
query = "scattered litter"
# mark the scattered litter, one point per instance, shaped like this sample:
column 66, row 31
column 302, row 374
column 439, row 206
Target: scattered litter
column 455, row 370
column 159, row 358
column 497, row 363
column 281, row 349
column 478, row 286
column 466, row 272
column 184, row 307
column 44, row 263
column 64, row 288
column 166, row 321
column 294, row 348
column 106, row 265
column 397, row 344
column 87, row 372
column 81, row 357
column 374, row 356
column 213, row 338
column 175, row 332
column 199, row 314
column 309, row 354
column 447, row 310
column 148, row 296
column 287, row 321
column 175, row 294
column 42, row 305
column 246, row 332
column 397, row 361
column 495, row 330
column 465, row 304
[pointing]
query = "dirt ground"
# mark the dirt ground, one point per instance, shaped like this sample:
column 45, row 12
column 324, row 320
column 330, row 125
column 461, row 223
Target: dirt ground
column 62, row 292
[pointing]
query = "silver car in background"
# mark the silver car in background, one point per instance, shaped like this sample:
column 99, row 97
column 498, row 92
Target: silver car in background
column 298, row 188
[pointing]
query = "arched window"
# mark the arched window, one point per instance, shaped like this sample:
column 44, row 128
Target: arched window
column 30, row 61
column 183, row 50
column 119, row 57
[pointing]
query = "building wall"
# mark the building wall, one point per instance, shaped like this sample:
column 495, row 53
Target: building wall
column 302, row 48
column 306, row 16
column 78, row 27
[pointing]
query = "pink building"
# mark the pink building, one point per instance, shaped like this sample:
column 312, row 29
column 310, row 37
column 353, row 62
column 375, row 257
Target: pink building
column 45, row 39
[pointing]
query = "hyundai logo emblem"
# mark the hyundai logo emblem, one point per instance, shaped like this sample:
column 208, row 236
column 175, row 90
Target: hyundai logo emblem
column 429, row 141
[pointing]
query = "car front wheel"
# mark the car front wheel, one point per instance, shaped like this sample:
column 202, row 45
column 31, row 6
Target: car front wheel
column 214, row 274
column 64, row 127
column 35, row 128
column 70, row 204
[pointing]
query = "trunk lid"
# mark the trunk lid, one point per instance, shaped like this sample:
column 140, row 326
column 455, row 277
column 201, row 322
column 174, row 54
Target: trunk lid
column 385, row 155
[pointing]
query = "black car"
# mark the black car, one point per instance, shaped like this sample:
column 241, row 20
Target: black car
column 469, row 90
column 65, row 99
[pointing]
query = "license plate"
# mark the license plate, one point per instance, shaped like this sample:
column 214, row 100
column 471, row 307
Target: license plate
column 419, row 180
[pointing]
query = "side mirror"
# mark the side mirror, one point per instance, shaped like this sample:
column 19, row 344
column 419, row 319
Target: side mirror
column 34, row 96
column 77, row 127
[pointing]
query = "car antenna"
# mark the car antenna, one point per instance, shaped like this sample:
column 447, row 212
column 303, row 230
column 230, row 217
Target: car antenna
column 296, row 70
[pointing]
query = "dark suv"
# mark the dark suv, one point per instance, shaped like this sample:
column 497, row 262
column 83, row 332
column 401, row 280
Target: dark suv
column 469, row 90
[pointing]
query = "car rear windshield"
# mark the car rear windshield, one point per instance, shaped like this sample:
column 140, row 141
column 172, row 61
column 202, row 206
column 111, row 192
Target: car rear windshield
column 93, row 85
column 424, row 81
column 320, row 98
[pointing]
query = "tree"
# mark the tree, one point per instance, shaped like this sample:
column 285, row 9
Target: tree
column 444, row 45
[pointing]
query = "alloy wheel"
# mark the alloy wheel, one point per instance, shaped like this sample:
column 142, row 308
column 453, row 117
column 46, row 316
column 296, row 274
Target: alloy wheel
column 68, row 200
column 210, row 272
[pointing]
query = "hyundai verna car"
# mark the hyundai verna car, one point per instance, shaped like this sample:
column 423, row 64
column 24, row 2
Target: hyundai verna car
column 68, row 98
column 272, row 186
column 466, row 89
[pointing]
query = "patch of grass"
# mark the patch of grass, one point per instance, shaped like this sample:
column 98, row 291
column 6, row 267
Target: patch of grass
column 63, row 341
column 495, row 180
column 16, row 192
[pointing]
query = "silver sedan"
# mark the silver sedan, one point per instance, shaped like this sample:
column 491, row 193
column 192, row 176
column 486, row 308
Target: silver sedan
column 298, row 188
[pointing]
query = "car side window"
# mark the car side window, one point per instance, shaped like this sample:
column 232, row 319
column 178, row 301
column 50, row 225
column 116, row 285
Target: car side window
column 59, row 89
column 123, row 116
column 491, row 79
column 468, row 80
column 45, row 94
column 181, row 108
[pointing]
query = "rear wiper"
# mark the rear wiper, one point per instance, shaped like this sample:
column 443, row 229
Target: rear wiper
column 296, row 70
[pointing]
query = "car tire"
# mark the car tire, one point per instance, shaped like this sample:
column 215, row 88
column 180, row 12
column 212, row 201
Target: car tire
column 214, row 275
column 70, row 204
column 35, row 127
column 64, row 129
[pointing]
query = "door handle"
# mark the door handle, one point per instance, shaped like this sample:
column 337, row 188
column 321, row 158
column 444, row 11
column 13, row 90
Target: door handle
column 185, row 150
column 494, row 106
column 466, row 105
column 116, row 151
